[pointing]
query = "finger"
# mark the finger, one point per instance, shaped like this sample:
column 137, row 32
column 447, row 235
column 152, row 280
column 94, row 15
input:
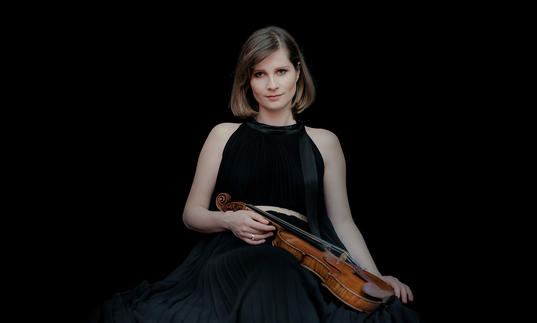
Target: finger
column 392, row 281
column 404, row 296
column 248, row 236
column 255, row 241
column 388, row 280
column 250, row 229
column 410, row 294
column 252, row 236
column 258, row 233
column 264, row 235
column 258, row 217
column 261, row 227
column 397, row 290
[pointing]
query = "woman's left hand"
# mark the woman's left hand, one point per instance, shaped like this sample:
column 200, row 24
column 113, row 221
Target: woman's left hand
column 401, row 290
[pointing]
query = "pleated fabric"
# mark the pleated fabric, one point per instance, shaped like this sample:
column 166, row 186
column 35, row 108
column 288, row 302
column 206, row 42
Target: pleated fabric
column 224, row 279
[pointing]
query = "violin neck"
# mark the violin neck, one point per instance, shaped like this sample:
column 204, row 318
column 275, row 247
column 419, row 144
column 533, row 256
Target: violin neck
column 314, row 240
column 284, row 224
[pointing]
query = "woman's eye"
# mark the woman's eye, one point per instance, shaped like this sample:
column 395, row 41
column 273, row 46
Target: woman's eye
column 282, row 71
column 258, row 74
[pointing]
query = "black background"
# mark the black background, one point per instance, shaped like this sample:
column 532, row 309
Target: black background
column 134, row 95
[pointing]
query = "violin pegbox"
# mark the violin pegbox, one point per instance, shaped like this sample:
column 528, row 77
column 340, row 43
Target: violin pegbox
column 223, row 203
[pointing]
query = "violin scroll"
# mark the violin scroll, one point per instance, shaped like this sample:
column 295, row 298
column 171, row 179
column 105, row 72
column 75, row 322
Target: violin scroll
column 223, row 203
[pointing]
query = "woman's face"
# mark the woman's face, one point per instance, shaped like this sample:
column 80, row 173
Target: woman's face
column 273, row 81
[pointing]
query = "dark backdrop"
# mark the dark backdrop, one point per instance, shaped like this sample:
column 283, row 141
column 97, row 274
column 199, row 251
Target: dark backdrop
column 140, row 94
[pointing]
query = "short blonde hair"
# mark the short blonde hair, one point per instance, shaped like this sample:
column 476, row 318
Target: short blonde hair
column 260, row 45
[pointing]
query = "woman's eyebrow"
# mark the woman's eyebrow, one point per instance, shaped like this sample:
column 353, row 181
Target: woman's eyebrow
column 276, row 68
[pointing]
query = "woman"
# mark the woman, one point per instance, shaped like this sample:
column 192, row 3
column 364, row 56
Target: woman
column 274, row 162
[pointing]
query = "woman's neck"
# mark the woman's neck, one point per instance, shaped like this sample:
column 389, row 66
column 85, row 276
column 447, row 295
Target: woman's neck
column 281, row 118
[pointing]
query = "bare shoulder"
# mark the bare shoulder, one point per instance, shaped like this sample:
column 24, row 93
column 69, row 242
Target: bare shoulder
column 322, row 137
column 220, row 133
column 225, row 128
column 326, row 141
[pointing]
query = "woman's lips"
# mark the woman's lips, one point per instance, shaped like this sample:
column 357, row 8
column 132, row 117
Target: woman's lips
column 274, row 97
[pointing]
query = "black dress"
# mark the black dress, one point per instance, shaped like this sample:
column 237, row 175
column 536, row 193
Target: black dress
column 223, row 279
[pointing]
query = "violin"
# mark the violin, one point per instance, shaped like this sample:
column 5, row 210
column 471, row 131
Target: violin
column 338, row 272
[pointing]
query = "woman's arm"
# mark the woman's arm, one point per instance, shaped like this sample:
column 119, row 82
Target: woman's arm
column 338, row 209
column 336, row 200
column 196, row 214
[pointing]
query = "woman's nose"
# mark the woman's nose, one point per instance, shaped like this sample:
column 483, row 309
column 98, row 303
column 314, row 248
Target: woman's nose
column 272, row 83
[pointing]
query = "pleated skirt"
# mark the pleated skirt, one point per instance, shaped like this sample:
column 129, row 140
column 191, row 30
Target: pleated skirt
column 223, row 279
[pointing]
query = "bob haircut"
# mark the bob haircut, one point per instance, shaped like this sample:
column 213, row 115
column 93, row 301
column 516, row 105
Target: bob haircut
column 260, row 45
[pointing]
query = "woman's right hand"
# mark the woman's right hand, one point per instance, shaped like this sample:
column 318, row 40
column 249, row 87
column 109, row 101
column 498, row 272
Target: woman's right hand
column 249, row 226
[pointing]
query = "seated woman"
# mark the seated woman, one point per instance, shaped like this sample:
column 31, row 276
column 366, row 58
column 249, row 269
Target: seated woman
column 273, row 161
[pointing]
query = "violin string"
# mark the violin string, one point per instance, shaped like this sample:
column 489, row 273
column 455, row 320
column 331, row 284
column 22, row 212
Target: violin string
column 305, row 233
column 286, row 224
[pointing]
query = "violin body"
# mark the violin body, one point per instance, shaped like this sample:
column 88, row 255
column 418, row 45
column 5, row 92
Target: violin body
column 352, row 285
